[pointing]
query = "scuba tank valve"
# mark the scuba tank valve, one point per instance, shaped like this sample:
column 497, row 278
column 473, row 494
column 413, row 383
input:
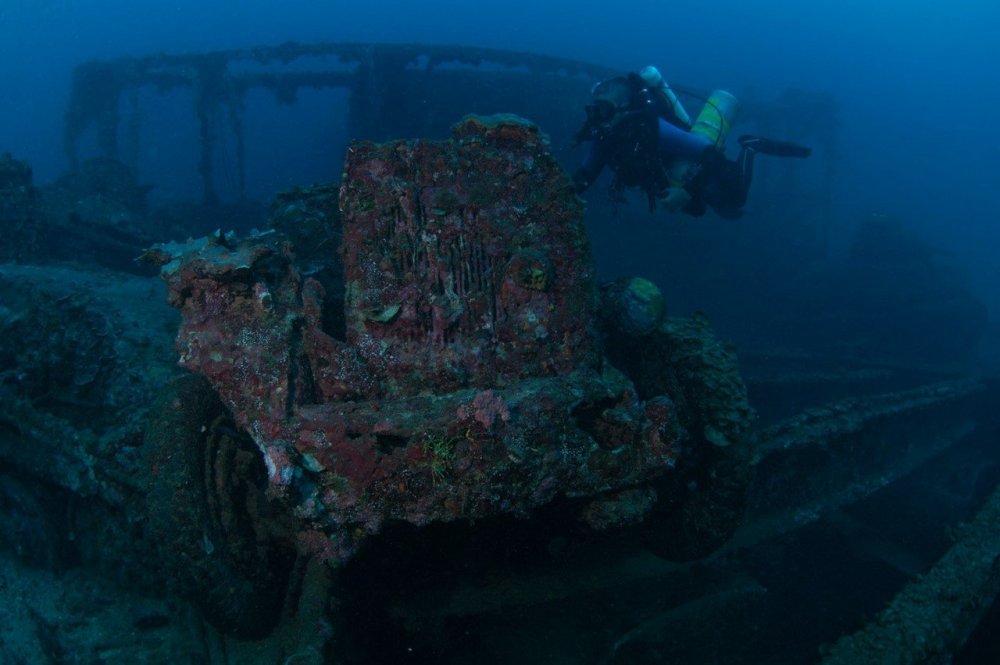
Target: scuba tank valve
column 654, row 80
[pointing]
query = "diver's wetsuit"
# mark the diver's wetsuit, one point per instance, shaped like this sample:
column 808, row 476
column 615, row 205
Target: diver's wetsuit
column 672, row 143
column 723, row 184
column 714, row 181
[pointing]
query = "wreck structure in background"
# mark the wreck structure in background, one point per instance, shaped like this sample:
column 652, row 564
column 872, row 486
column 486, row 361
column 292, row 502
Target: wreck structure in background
column 395, row 91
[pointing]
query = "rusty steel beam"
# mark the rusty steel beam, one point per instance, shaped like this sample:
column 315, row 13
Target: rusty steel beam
column 936, row 612
column 827, row 457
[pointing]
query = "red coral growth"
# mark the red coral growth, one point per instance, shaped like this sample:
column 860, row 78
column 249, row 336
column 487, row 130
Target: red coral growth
column 488, row 409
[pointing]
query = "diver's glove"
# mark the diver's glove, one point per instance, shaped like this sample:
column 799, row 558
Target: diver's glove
column 675, row 198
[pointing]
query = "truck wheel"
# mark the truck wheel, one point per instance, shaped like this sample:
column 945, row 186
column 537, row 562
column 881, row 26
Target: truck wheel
column 207, row 513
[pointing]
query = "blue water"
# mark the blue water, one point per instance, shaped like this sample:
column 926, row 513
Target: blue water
column 916, row 81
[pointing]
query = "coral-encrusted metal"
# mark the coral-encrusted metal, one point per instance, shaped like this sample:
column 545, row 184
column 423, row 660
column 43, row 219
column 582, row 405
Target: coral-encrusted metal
column 465, row 262
column 468, row 383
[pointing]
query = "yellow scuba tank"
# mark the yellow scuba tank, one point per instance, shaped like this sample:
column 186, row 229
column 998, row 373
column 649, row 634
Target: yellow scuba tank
column 714, row 122
column 717, row 117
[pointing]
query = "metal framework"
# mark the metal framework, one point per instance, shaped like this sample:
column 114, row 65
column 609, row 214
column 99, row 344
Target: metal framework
column 395, row 90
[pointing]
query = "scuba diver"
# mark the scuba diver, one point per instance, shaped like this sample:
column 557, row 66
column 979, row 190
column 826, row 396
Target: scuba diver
column 638, row 128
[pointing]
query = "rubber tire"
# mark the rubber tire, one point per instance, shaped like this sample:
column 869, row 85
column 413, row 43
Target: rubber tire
column 206, row 512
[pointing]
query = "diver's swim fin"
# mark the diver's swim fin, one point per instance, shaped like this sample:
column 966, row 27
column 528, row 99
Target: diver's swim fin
column 771, row 147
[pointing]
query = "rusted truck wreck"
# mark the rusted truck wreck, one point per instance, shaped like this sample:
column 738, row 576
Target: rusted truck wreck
column 461, row 374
